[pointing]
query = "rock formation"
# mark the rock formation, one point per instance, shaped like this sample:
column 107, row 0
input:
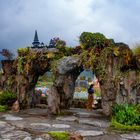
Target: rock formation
column 116, row 68
column 61, row 93
column 21, row 76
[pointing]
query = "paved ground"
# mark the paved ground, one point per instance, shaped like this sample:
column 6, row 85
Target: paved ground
column 33, row 124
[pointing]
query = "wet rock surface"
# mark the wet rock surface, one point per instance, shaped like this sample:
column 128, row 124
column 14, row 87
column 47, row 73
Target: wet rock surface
column 34, row 124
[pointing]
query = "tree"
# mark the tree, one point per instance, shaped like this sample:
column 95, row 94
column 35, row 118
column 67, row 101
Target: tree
column 57, row 42
column 5, row 52
column 87, row 40
column 90, row 40
column 77, row 50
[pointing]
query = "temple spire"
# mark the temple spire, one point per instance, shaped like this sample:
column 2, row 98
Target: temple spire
column 36, row 42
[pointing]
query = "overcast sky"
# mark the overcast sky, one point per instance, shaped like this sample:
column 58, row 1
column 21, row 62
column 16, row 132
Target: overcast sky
column 67, row 19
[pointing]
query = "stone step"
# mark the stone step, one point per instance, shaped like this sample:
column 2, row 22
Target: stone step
column 96, row 123
column 89, row 133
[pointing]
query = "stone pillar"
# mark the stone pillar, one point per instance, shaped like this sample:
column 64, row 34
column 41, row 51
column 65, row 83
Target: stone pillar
column 61, row 93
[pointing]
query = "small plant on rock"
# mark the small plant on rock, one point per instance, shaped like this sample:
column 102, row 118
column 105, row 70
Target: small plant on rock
column 59, row 135
column 3, row 108
column 7, row 97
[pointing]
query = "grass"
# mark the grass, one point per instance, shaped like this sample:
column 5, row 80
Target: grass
column 123, row 127
column 126, row 117
column 59, row 135
column 3, row 108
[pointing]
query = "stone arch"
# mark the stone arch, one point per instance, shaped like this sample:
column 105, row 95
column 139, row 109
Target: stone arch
column 116, row 82
column 118, row 77
column 20, row 75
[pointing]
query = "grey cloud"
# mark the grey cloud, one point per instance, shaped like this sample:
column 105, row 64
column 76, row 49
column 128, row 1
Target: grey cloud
column 118, row 19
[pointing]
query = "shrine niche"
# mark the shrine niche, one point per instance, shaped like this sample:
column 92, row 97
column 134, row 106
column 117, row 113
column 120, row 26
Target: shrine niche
column 114, row 64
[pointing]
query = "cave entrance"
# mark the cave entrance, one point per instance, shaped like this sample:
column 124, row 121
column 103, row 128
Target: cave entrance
column 84, row 80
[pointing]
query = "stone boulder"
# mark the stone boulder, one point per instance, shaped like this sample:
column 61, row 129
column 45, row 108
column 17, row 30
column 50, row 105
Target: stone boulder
column 67, row 64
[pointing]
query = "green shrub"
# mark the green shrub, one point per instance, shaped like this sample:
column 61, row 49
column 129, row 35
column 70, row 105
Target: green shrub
column 23, row 51
column 123, row 127
column 59, row 135
column 7, row 97
column 91, row 40
column 126, row 114
column 136, row 49
column 116, row 108
column 3, row 108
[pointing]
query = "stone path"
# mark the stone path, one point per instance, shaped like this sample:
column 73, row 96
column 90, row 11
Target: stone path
column 34, row 124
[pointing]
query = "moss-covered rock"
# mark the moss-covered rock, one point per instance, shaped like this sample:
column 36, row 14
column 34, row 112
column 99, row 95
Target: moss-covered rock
column 59, row 135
